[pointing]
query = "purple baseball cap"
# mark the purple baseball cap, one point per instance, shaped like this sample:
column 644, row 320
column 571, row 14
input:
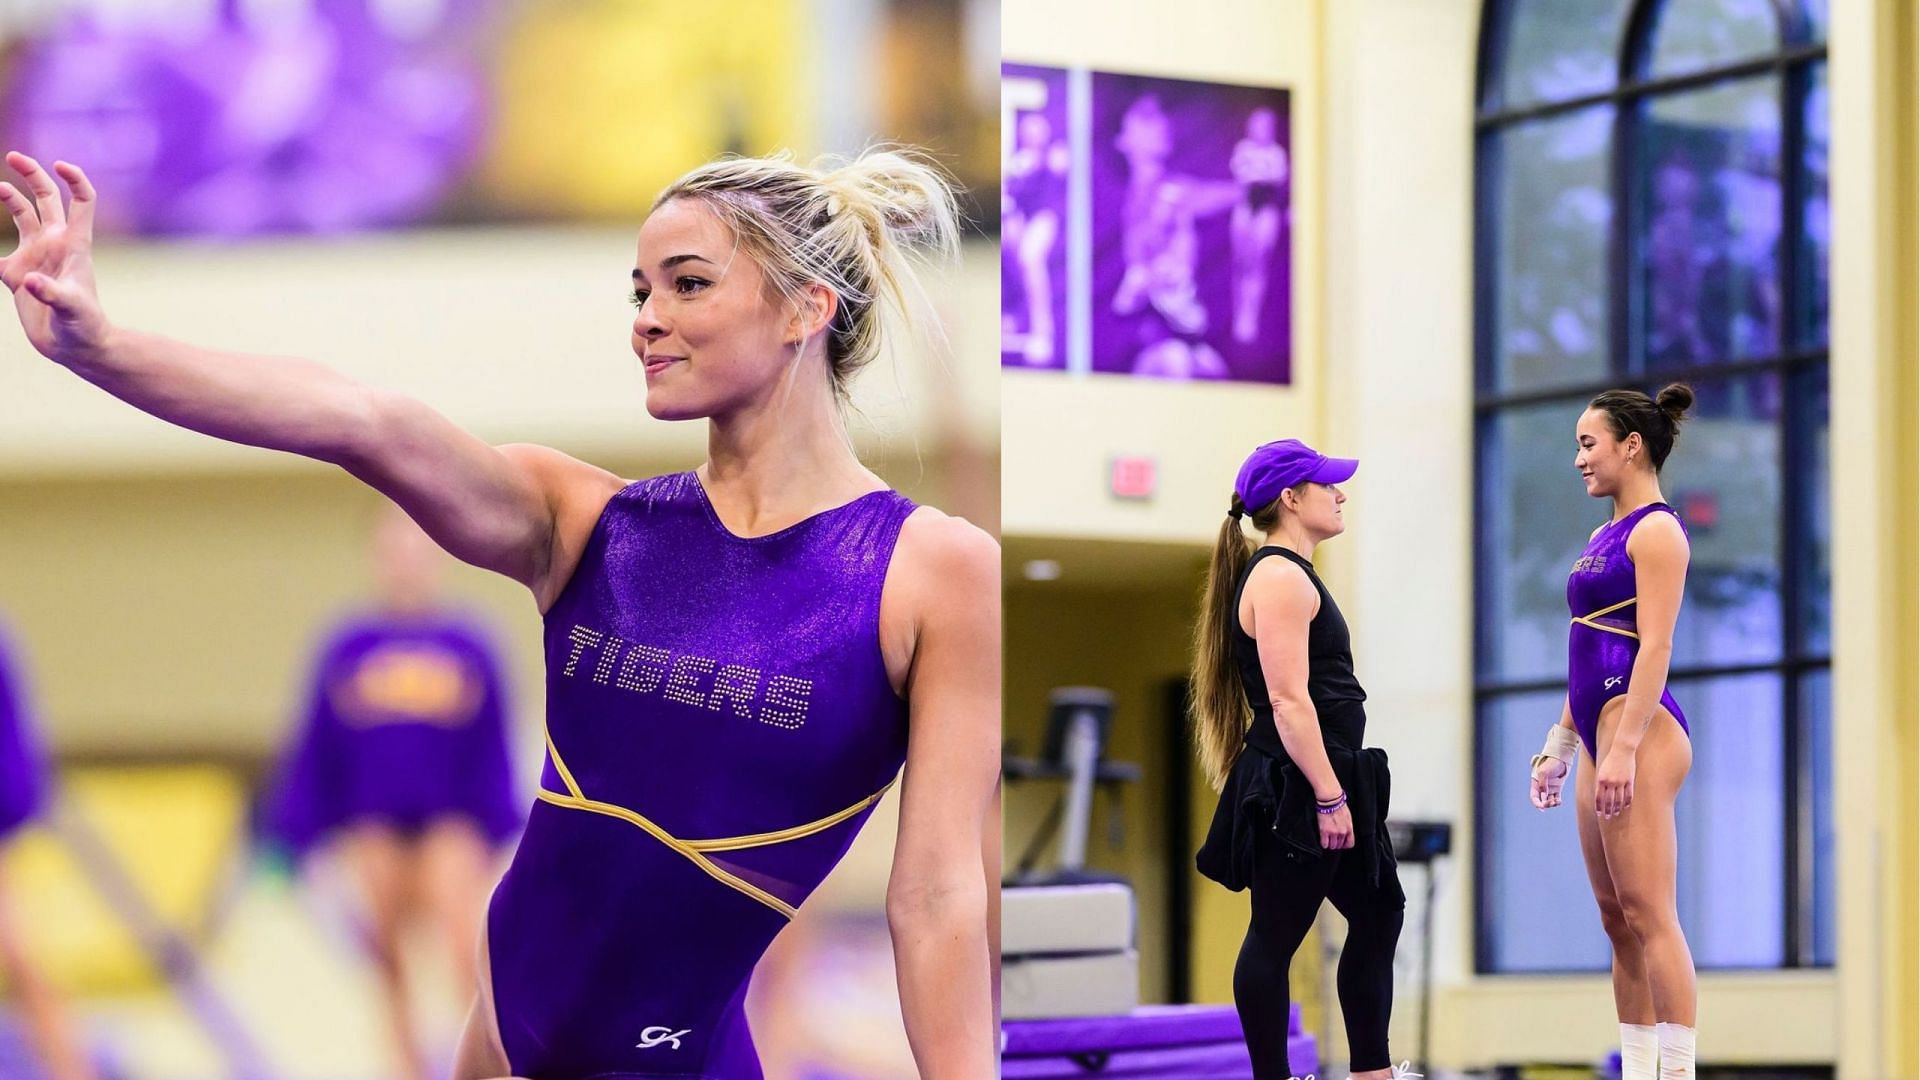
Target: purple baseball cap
column 1276, row 466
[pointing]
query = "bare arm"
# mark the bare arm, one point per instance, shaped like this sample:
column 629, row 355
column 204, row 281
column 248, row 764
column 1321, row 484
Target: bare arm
column 1283, row 603
column 1658, row 548
column 498, row 508
column 939, row 896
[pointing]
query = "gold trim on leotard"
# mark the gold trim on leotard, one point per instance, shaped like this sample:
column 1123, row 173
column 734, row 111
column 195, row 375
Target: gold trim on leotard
column 693, row 850
column 1587, row 619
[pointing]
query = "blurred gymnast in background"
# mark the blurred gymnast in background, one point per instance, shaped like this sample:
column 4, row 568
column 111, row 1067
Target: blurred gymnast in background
column 400, row 768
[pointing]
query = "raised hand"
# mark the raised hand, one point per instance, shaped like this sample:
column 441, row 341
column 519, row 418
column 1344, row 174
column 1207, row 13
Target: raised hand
column 50, row 273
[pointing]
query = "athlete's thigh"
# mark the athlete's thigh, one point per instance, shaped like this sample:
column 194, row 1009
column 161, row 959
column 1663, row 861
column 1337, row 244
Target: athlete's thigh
column 1641, row 844
column 1592, row 851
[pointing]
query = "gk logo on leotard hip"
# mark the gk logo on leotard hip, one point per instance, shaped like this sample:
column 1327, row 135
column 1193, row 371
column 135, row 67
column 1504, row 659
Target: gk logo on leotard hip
column 1612, row 682
column 654, row 1036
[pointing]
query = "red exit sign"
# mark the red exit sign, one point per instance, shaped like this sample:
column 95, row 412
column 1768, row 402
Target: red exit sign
column 1132, row 477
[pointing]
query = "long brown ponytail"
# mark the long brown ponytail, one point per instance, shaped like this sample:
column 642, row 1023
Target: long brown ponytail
column 1219, row 705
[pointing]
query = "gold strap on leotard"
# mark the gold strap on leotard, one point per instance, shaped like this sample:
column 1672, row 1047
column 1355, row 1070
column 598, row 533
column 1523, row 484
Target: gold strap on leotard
column 693, row 850
column 1588, row 619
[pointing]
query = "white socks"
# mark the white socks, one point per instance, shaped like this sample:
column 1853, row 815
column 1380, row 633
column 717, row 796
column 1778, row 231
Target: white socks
column 1676, row 1051
column 1639, row 1047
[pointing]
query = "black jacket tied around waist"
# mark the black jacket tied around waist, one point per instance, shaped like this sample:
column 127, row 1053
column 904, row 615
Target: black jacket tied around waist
column 1264, row 792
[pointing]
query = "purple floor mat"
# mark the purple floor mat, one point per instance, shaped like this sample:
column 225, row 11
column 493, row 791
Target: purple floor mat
column 1194, row 1042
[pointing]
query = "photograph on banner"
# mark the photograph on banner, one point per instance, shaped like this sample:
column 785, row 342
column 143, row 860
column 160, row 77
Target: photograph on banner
column 1190, row 229
column 1035, row 174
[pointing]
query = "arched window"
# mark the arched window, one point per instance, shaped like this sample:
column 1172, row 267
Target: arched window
column 1651, row 207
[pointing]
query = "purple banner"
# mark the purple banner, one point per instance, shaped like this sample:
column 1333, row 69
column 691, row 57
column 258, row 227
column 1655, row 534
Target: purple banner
column 321, row 118
column 1191, row 223
column 1035, row 169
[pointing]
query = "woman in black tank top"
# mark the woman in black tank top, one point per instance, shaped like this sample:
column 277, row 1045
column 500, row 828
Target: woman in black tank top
column 1279, row 719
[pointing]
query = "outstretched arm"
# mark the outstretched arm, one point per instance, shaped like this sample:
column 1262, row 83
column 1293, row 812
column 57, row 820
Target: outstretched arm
column 939, row 896
column 494, row 507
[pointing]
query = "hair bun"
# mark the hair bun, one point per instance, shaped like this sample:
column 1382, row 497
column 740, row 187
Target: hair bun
column 1674, row 400
column 902, row 195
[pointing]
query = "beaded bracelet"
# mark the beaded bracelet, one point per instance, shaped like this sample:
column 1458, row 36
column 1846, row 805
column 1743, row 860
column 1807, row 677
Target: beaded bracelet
column 1329, row 807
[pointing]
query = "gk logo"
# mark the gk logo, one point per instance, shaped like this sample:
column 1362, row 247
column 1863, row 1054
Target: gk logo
column 654, row 1036
column 1613, row 682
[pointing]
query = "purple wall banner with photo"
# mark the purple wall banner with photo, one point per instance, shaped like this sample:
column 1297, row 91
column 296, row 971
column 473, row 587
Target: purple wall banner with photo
column 1191, row 224
column 1035, row 174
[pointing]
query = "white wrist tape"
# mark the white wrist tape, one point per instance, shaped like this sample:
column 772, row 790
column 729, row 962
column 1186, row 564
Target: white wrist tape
column 1562, row 745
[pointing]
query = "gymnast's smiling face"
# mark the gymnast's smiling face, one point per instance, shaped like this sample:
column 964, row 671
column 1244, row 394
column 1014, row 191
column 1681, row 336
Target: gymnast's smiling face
column 713, row 334
column 1602, row 458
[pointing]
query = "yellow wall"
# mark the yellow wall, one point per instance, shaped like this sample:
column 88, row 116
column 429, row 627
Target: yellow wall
column 1876, row 544
column 1130, row 642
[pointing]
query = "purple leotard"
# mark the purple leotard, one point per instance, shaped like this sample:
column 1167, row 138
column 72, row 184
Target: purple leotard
column 23, row 765
column 1603, row 639
column 719, row 724
column 404, row 723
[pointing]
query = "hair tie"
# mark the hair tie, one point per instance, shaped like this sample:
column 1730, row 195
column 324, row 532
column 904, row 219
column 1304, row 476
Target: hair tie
column 1238, row 510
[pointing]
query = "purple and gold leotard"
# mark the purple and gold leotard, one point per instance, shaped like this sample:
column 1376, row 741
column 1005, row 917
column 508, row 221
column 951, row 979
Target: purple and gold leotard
column 719, row 725
column 1604, row 637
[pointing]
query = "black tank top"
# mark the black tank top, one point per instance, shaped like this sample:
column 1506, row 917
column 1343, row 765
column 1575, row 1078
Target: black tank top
column 1331, row 686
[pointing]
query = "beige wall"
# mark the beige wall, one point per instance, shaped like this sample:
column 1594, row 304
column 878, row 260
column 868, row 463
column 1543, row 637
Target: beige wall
column 517, row 334
column 1876, row 545
column 1399, row 301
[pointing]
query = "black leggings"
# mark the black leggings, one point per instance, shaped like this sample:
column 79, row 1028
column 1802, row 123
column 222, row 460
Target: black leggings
column 1287, row 891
